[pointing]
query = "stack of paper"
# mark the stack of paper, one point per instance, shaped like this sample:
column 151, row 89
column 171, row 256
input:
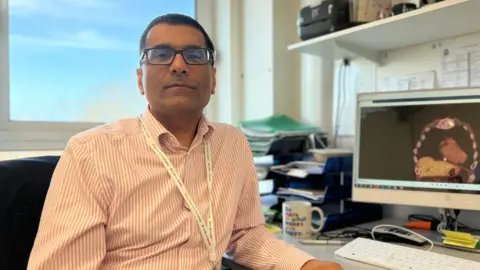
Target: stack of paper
column 312, row 194
column 322, row 155
column 262, row 133
column 299, row 169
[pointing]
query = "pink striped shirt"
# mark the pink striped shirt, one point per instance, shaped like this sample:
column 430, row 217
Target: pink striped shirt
column 112, row 204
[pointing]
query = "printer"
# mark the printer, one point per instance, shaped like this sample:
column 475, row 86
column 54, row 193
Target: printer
column 327, row 17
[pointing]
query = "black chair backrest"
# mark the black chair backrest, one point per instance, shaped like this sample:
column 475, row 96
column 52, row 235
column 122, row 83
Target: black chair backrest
column 23, row 186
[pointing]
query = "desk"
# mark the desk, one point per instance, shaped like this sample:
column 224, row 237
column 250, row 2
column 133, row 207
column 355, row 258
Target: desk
column 327, row 252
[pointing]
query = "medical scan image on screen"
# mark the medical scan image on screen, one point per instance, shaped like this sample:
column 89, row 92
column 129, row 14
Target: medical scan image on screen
column 423, row 147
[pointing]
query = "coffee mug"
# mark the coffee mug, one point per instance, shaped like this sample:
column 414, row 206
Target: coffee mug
column 297, row 219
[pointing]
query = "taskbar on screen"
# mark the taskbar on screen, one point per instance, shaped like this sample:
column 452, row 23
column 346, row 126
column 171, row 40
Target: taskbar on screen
column 432, row 187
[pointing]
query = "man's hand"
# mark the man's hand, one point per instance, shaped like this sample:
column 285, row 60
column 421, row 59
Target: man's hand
column 318, row 265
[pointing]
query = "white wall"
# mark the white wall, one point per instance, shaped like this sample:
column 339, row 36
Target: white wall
column 225, row 105
column 286, row 65
column 316, row 87
column 257, row 77
column 258, row 58
column 270, row 73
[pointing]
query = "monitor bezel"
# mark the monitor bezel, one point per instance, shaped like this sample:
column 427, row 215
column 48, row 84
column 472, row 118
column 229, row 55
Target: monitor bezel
column 439, row 199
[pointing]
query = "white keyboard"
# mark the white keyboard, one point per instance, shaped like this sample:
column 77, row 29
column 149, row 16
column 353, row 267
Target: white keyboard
column 398, row 257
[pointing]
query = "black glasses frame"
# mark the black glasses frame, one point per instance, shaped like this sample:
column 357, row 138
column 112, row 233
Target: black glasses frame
column 211, row 56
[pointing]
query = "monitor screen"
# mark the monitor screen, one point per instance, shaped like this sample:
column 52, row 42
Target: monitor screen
column 425, row 145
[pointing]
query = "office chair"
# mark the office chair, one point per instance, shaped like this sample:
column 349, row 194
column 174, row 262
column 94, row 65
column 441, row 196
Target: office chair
column 23, row 187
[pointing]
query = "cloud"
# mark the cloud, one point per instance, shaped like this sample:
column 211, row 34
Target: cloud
column 86, row 10
column 23, row 5
column 88, row 3
column 87, row 39
column 39, row 5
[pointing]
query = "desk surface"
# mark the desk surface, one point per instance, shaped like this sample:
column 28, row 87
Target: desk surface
column 327, row 252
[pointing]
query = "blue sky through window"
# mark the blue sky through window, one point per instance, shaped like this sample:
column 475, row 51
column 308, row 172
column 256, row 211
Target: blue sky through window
column 75, row 60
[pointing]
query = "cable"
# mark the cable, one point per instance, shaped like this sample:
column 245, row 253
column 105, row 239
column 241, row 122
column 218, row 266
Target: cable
column 401, row 228
column 441, row 224
column 460, row 226
column 337, row 109
column 457, row 213
column 342, row 98
column 449, row 221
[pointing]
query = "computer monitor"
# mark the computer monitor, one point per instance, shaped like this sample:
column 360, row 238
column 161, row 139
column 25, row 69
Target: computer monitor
column 418, row 148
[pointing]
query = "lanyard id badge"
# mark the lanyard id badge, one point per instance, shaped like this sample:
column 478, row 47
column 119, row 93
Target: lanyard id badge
column 206, row 229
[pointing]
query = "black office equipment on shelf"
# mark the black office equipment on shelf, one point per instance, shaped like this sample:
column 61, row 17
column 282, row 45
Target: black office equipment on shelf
column 335, row 181
column 327, row 17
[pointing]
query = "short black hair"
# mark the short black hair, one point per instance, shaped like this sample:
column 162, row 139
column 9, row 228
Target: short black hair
column 175, row 19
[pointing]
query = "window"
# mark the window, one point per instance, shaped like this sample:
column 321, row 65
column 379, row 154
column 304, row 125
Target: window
column 68, row 65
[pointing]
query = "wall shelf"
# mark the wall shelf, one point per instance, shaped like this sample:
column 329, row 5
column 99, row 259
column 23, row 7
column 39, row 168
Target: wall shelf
column 434, row 22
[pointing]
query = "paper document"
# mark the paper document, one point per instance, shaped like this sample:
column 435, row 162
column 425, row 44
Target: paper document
column 312, row 194
column 460, row 64
column 299, row 169
column 300, row 173
column 322, row 155
column 424, row 80
column 455, row 71
column 474, row 60
column 394, row 84
column 417, row 81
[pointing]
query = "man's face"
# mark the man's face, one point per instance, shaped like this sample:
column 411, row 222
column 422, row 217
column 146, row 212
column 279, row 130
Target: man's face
column 179, row 86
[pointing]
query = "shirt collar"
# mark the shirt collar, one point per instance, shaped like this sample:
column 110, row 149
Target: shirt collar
column 204, row 129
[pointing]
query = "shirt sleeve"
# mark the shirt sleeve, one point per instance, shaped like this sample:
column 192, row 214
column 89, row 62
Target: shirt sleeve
column 251, row 243
column 71, row 233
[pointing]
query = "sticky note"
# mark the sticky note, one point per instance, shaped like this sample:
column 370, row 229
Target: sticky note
column 459, row 239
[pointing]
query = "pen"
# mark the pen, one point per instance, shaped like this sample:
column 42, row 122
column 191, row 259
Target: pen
column 323, row 242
